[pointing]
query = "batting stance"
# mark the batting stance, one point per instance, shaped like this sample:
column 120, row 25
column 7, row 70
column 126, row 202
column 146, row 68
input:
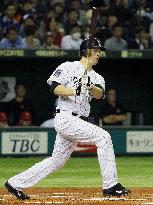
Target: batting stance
column 76, row 83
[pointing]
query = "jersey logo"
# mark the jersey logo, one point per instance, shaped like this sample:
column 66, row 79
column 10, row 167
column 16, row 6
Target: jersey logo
column 57, row 73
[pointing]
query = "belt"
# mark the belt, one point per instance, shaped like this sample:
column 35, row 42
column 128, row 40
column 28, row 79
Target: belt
column 75, row 114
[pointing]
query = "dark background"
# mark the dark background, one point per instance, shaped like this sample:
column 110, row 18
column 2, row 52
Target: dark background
column 133, row 80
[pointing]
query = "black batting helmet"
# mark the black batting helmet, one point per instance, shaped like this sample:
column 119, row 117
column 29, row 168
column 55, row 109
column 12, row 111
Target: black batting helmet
column 96, row 43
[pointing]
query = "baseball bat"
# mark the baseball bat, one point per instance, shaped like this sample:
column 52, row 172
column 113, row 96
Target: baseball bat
column 95, row 11
column 94, row 17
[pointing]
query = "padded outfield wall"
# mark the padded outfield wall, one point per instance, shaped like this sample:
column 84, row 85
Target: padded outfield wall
column 40, row 141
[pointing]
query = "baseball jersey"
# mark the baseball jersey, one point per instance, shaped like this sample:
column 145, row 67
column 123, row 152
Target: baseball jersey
column 69, row 74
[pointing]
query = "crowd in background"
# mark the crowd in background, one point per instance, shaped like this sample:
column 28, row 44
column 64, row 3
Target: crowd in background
column 62, row 24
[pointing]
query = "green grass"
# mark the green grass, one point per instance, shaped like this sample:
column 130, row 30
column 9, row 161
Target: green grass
column 84, row 172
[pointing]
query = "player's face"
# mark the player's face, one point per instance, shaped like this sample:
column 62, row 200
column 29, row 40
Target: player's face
column 20, row 91
column 111, row 95
column 95, row 55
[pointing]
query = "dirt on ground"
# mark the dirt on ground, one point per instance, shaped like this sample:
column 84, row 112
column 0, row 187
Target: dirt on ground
column 77, row 196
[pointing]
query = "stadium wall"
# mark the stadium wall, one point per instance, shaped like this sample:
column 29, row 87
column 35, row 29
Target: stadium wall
column 132, row 79
column 40, row 141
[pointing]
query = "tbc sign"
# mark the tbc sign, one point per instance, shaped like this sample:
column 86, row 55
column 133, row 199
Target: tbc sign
column 24, row 142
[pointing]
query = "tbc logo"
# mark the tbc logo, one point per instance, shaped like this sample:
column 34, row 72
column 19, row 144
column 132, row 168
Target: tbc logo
column 25, row 145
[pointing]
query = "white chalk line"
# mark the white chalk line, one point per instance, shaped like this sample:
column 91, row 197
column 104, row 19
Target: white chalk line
column 72, row 199
column 44, row 202
column 113, row 199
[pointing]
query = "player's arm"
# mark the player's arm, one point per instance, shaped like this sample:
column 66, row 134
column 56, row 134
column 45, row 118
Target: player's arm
column 114, row 118
column 121, row 117
column 109, row 119
column 97, row 91
column 61, row 90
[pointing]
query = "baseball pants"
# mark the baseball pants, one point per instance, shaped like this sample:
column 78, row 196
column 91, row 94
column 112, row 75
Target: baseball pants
column 71, row 130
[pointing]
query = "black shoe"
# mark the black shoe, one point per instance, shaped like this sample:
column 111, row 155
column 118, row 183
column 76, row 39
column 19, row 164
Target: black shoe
column 15, row 192
column 117, row 190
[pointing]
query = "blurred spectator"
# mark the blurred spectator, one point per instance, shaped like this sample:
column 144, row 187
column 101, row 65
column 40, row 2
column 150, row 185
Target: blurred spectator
column 73, row 40
column 25, row 119
column 140, row 41
column 30, row 40
column 40, row 6
column 112, row 113
column 73, row 4
column 59, row 11
column 71, row 20
column 104, row 8
column 12, row 40
column 116, row 42
column 3, row 120
column 10, row 18
column 19, row 104
column 59, row 16
column 28, row 20
column 105, row 30
column 57, row 29
column 121, row 11
column 52, row 2
column 86, row 31
column 142, row 13
column 49, row 41
column 140, row 7
column 27, row 8
column 49, row 14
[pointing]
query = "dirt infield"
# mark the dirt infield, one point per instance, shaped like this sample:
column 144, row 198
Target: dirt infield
column 78, row 196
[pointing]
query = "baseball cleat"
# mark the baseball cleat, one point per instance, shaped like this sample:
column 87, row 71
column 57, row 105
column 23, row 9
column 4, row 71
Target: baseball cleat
column 117, row 190
column 18, row 194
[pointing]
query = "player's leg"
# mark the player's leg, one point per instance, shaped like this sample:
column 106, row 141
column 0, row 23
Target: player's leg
column 62, row 151
column 76, row 129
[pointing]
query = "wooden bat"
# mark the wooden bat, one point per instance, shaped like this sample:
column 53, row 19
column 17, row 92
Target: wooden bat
column 95, row 12
column 95, row 4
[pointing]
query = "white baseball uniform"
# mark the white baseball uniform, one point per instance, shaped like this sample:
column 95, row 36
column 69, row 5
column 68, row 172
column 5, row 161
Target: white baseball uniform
column 71, row 130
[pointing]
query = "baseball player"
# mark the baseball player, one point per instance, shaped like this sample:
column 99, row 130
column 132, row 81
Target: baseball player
column 76, row 83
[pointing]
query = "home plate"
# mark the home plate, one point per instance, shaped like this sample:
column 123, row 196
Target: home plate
column 113, row 199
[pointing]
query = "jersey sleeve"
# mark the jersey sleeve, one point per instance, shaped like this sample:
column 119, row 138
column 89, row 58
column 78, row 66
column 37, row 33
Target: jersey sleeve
column 101, row 82
column 60, row 75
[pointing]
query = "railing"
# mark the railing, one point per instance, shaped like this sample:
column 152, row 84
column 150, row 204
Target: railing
column 45, row 53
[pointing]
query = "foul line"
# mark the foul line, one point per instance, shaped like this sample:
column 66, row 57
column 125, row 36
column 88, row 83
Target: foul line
column 44, row 202
column 114, row 199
